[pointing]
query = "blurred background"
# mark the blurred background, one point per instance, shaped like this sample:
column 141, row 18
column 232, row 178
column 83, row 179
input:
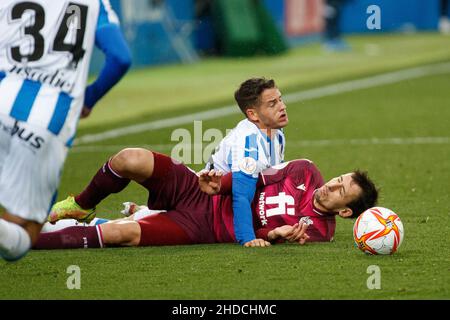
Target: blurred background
column 191, row 55
column 183, row 31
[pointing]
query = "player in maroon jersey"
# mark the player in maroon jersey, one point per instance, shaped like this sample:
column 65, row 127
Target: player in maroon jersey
column 290, row 199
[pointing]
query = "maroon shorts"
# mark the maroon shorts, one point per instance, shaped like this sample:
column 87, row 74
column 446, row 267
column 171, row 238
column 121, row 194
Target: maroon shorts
column 174, row 187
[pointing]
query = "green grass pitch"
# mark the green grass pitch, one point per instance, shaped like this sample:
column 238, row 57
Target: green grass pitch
column 413, row 175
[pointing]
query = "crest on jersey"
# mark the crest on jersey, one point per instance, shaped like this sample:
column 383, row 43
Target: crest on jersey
column 306, row 220
column 248, row 165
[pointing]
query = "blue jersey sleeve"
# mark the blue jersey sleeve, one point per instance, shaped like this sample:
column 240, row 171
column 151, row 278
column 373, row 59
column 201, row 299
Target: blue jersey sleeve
column 243, row 189
column 111, row 41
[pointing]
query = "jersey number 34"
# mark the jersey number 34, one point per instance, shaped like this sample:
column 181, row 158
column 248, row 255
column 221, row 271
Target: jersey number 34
column 34, row 30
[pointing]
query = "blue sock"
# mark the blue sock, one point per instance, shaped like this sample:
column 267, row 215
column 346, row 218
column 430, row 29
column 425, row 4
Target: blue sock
column 101, row 221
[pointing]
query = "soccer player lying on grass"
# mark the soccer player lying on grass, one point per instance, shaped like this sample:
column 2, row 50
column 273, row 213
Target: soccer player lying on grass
column 256, row 143
column 285, row 194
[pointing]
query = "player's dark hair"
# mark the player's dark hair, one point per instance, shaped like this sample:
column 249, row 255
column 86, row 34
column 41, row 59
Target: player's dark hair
column 369, row 194
column 250, row 90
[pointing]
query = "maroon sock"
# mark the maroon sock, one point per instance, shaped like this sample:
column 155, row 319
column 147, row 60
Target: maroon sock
column 70, row 238
column 102, row 185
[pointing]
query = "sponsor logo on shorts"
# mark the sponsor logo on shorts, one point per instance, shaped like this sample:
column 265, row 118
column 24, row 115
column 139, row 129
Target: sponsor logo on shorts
column 29, row 137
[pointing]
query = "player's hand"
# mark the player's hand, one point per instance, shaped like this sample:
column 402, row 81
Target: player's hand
column 85, row 112
column 257, row 243
column 209, row 181
column 296, row 233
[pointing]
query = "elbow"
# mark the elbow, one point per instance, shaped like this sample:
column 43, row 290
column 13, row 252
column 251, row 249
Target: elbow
column 122, row 61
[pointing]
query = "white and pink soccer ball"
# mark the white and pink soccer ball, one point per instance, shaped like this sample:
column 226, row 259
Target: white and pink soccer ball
column 378, row 230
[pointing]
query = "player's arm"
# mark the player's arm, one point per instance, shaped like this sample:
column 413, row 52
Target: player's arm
column 243, row 191
column 246, row 163
column 110, row 40
column 282, row 145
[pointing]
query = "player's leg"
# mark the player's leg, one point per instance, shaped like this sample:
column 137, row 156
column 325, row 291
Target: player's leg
column 71, row 238
column 131, row 212
column 129, row 164
column 31, row 159
column 153, row 230
column 65, row 223
column 174, row 187
column 120, row 233
column 14, row 239
column 133, row 163
column 160, row 230
column 16, row 236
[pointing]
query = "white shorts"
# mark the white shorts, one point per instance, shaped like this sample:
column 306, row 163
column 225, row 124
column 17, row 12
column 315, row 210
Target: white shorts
column 31, row 160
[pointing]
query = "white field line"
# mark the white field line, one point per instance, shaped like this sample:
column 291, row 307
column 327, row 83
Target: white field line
column 305, row 143
column 346, row 86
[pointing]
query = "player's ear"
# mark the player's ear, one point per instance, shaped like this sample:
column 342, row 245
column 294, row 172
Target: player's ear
column 251, row 114
column 346, row 212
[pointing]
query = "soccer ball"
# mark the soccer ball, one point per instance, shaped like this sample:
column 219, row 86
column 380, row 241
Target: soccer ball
column 378, row 230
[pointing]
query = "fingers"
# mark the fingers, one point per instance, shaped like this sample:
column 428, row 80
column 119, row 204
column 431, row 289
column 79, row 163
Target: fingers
column 297, row 232
column 215, row 173
column 302, row 231
column 296, row 228
column 286, row 231
column 257, row 243
column 210, row 173
column 303, row 239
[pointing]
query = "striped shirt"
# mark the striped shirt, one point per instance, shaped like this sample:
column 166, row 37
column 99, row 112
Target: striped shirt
column 45, row 51
column 249, row 150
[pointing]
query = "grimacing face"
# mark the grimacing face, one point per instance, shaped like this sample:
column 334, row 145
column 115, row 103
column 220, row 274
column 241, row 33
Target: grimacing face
column 336, row 194
column 271, row 111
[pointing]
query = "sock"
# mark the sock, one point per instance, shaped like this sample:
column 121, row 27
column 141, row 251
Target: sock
column 65, row 223
column 60, row 224
column 97, row 221
column 105, row 182
column 14, row 241
column 70, row 238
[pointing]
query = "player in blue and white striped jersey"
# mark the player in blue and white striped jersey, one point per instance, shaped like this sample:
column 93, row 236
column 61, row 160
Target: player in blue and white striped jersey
column 255, row 144
column 45, row 51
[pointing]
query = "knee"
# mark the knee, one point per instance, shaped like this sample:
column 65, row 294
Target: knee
column 121, row 234
column 126, row 160
column 130, row 233
column 133, row 163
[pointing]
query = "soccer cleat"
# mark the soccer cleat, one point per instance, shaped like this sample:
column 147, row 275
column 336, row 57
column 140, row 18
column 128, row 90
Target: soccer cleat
column 69, row 209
